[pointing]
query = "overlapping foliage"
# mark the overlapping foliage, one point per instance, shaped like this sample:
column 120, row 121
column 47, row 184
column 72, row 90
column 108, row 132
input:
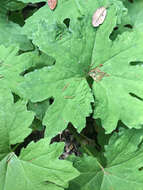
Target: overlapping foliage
column 56, row 70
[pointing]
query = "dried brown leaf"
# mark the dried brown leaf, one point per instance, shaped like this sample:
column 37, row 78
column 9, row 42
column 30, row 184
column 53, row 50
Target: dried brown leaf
column 97, row 74
column 99, row 16
column 52, row 4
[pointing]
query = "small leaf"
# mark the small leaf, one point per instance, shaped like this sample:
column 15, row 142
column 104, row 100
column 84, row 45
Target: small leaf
column 52, row 4
column 99, row 16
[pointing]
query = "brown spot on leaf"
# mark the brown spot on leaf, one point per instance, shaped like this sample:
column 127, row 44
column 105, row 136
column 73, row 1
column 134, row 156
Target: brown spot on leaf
column 99, row 16
column 65, row 87
column 97, row 74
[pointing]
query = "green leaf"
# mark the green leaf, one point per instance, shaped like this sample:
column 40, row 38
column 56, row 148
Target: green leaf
column 14, row 5
column 11, row 33
column 63, row 43
column 123, row 168
column 17, row 17
column 69, row 94
column 65, row 81
column 14, row 121
column 14, row 66
column 118, row 87
column 72, row 47
column 75, row 99
column 67, row 42
column 38, row 167
column 39, row 108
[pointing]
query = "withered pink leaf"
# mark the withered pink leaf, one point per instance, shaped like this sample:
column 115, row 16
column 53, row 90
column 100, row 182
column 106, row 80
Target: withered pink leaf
column 52, row 4
column 99, row 16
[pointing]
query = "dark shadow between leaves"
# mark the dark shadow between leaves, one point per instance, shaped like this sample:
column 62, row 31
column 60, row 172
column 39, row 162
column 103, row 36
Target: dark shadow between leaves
column 31, row 8
column 15, row 97
column 128, row 26
column 27, row 10
column 137, row 63
column 51, row 100
column 31, row 69
column 89, row 81
column 140, row 169
column 120, row 29
column 135, row 96
column 35, row 136
column 36, row 67
column 67, row 22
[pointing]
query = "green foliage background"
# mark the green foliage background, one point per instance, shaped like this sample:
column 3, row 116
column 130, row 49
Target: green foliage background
column 46, row 55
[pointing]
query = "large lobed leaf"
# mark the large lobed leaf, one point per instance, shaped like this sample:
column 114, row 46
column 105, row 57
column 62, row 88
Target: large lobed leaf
column 66, row 80
column 38, row 167
column 123, row 168
column 77, row 46
column 121, row 89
